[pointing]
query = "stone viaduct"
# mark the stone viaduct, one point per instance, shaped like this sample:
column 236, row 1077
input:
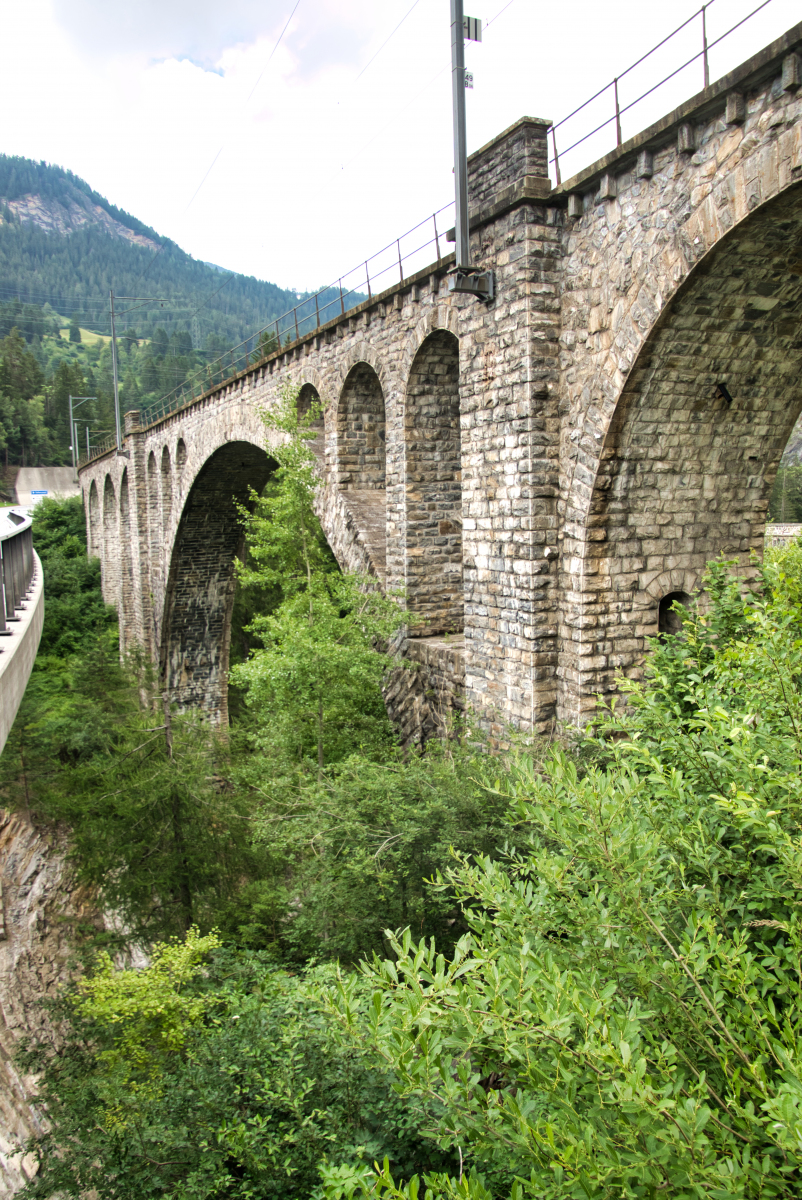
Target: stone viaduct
column 541, row 475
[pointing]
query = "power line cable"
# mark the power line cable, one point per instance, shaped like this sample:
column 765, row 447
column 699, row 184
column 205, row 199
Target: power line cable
column 386, row 40
column 220, row 151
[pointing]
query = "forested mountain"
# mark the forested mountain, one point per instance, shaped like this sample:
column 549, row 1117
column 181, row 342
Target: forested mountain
column 61, row 243
column 62, row 247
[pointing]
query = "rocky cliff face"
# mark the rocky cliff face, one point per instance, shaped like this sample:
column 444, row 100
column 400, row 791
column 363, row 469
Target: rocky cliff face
column 55, row 217
column 40, row 908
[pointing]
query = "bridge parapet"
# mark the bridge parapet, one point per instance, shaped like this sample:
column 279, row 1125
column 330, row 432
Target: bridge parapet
column 21, row 611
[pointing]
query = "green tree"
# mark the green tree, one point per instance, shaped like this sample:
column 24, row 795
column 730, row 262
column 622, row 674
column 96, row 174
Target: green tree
column 314, row 685
column 624, row 1016
column 75, row 331
column 208, row 1074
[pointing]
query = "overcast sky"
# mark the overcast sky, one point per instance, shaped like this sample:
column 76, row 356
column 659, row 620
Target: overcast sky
column 293, row 162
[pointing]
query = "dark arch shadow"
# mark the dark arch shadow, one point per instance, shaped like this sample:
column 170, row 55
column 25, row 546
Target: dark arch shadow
column 433, row 485
column 200, row 589
column 693, row 448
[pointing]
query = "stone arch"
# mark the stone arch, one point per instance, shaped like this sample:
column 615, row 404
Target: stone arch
column 443, row 317
column 307, row 396
column 692, row 448
column 361, row 427
column 180, row 455
column 166, row 489
column 433, row 484
column 108, row 559
column 126, row 566
column 196, row 623
column 668, row 619
column 95, row 538
column 154, row 517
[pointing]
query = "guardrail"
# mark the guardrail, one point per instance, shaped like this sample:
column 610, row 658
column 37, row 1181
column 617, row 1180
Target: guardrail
column 616, row 110
column 418, row 247
column 16, row 563
column 398, row 259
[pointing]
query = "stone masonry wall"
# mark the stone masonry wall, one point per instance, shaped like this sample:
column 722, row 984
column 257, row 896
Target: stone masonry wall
column 597, row 462
column 678, row 276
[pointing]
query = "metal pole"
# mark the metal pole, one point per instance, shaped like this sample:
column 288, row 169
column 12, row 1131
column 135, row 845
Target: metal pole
column 460, row 140
column 367, row 276
column 87, row 442
column 72, row 446
column 704, row 46
column 295, row 314
column 617, row 115
column 556, row 159
column 400, row 264
column 116, row 380
column 436, row 238
column 342, row 305
column 317, row 311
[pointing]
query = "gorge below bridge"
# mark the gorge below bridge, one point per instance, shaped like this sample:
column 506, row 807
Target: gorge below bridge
column 541, row 475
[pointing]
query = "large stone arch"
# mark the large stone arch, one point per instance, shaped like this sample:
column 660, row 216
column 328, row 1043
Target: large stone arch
column 154, row 519
column 361, row 430
column 127, row 601
column 196, row 620
column 690, row 450
column 432, row 484
column 166, row 489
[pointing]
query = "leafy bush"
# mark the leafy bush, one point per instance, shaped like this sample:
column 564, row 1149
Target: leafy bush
column 202, row 1077
column 624, row 1016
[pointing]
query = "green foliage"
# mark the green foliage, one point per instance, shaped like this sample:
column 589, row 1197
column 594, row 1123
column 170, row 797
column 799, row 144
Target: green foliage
column 186, row 1081
column 155, row 825
column 623, row 1017
column 785, row 504
column 349, row 855
column 314, row 684
column 74, row 610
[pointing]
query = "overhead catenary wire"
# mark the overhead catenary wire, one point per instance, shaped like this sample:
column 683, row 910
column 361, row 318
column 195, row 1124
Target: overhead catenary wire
column 222, row 148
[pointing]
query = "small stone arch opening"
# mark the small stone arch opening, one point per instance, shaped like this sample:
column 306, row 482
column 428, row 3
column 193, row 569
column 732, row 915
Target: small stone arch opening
column 361, row 430
column 108, row 561
column 95, row 532
column 181, row 454
column 669, row 621
column 308, row 396
column 196, row 621
column 433, row 485
column 127, row 607
column 166, row 489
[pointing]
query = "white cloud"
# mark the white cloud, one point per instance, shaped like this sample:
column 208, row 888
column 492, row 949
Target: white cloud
column 319, row 168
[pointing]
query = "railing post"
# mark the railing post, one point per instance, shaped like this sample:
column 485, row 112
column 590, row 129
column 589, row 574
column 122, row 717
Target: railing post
column 295, row 314
column 367, row 276
column 342, row 304
column 436, row 238
column 617, row 115
column 556, row 157
column 400, row 264
column 704, row 46
column 317, row 311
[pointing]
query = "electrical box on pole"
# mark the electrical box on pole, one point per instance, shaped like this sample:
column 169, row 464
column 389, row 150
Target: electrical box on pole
column 464, row 277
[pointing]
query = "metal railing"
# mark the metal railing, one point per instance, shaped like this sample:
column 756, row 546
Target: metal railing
column 398, row 261
column 617, row 110
column 16, row 563
column 394, row 264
